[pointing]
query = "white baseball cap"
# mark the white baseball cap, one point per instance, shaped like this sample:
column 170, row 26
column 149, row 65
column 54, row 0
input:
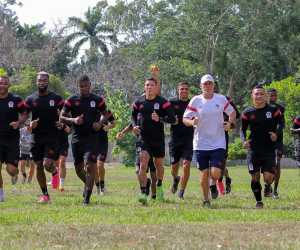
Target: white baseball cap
column 207, row 78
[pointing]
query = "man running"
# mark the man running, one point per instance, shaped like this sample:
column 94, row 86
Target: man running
column 84, row 107
column 272, row 98
column 25, row 154
column 153, row 110
column 224, row 171
column 11, row 105
column 181, row 140
column 205, row 112
column 295, row 130
column 43, row 105
column 99, row 170
column 266, row 125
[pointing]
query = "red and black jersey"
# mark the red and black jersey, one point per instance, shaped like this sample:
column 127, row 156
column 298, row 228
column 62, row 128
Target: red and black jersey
column 89, row 107
column 44, row 108
column 296, row 124
column 180, row 132
column 10, row 107
column 261, row 122
column 102, row 135
column 142, row 116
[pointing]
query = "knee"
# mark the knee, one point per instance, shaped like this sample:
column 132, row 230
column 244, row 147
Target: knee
column 63, row 163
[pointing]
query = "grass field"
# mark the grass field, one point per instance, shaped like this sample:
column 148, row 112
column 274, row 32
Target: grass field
column 117, row 221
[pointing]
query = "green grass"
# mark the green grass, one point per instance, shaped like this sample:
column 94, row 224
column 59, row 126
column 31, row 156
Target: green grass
column 118, row 221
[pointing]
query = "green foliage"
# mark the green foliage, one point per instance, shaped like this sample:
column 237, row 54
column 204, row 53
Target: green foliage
column 3, row 72
column 122, row 113
column 236, row 151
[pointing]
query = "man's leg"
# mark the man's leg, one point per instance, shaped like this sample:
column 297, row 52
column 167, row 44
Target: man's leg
column 96, row 177
column 277, row 176
column 204, row 182
column 89, row 182
column 13, row 171
column 49, row 165
column 101, row 171
column 31, row 171
column 62, row 172
column 23, row 171
column 220, row 181
column 142, row 175
column 160, row 175
column 256, row 188
column 1, row 183
column 176, row 178
column 185, row 177
column 41, row 177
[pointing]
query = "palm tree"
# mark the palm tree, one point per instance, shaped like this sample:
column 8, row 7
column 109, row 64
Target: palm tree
column 91, row 29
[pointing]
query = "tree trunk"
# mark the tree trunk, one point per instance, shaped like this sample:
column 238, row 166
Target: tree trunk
column 232, row 78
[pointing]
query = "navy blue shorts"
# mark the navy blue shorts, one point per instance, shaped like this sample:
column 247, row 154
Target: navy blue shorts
column 207, row 158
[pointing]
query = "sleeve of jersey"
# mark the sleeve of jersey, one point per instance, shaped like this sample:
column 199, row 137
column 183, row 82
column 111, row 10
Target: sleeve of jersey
column 102, row 106
column 296, row 123
column 134, row 114
column 244, row 127
column 21, row 106
column 190, row 110
column 238, row 115
column 60, row 103
column 27, row 105
column 228, row 109
column 170, row 115
column 279, row 120
column 110, row 116
column 67, row 105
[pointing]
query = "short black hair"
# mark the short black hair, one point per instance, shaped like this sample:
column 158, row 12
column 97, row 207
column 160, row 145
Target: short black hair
column 271, row 90
column 183, row 83
column 257, row 87
column 82, row 78
column 151, row 79
column 5, row 77
column 215, row 82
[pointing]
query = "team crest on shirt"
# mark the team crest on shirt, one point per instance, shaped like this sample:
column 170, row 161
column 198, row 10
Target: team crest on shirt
column 93, row 104
column 156, row 106
column 52, row 103
column 269, row 115
column 217, row 106
column 10, row 104
column 139, row 149
column 200, row 107
column 250, row 167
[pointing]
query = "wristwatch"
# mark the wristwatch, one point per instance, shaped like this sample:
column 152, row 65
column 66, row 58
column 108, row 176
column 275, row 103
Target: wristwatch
column 231, row 124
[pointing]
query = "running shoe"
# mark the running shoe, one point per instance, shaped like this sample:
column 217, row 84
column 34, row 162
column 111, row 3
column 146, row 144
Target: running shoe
column 86, row 203
column 14, row 180
column 268, row 191
column 159, row 192
column 275, row 194
column 29, row 182
column 148, row 186
column 98, row 190
column 102, row 190
column 228, row 185
column 214, row 191
column 143, row 199
column 1, row 197
column 221, row 187
column 180, row 194
column 44, row 199
column 55, row 179
column 259, row 205
column 206, row 203
column 175, row 185
column 61, row 188
column 23, row 180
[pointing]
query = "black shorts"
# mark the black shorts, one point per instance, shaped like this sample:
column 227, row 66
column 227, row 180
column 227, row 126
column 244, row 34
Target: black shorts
column 151, row 165
column 44, row 150
column 24, row 157
column 62, row 151
column 102, row 151
column 153, row 148
column 263, row 162
column 84, row 152
column 10, row 152
column 181, row 149
column 279, row 149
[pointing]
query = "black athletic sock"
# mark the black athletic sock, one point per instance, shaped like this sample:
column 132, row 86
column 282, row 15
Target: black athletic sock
column 256, row 189
column 153, row 197
column 24, row 175
column 176, row 180
column 143, row 190
column 97, row 184
column 45, row 191
column 275, row 186
column 88, row 195
column 54, row 172
column 159, row 183
column 102, row 184
column 181, row 192
column 221, row 179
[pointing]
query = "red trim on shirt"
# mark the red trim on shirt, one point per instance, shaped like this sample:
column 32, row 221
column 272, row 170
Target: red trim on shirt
column 166, row 105
column 110, row 114
column 190, row 108
column 229, row 101
column 20, row 104
column 277, row 112
column 26, row 105
column 68, row 103
column 61, row 102
column 244, row 117
column 297, row 122
column 134, row 105
column 101, row 103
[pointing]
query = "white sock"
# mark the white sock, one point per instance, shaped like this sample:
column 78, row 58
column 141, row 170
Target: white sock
column 62, row 181
column 1, row 191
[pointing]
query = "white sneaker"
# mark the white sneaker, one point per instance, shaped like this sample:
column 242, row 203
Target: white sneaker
column 102, row 191
column 1, row 197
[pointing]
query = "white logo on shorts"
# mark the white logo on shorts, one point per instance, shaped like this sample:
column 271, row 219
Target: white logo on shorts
column 30, row 154
column 172, row 159
column 156, row 106
column 139, row 149
column 269, row 115
column 93, row 104
column 10, row 104
column 51, row 103
column 250, row 167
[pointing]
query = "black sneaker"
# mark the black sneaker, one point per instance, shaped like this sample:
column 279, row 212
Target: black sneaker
column 175, row 185
column 275, row 194
column 85, row 203
column 267, row 191
column 214, row 191
column 259, row 205
column 206, row 203
column 148, row 186
column 228, row 185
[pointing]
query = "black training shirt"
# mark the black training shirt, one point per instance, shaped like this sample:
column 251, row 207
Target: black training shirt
column 103, row 135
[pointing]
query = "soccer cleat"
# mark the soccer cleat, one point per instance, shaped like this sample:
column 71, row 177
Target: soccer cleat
column 98, row 190
column 268, row 191
column 259, row 205
column 55, row 179
column 159, row 192
column 44, row 199
column 148, row 186
column 61, row 188
column 206, row 203
column 221, row 187
column 143, row 199
column 214, row 191
column 102, row 190
column 29, row 182
column 228, row 185
column 275, row 194
column 14, row 180
column 1, row 197
column 23, row 180
column 175, row 185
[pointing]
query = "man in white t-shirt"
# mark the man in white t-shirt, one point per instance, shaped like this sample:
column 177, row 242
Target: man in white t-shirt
column 205, row 113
